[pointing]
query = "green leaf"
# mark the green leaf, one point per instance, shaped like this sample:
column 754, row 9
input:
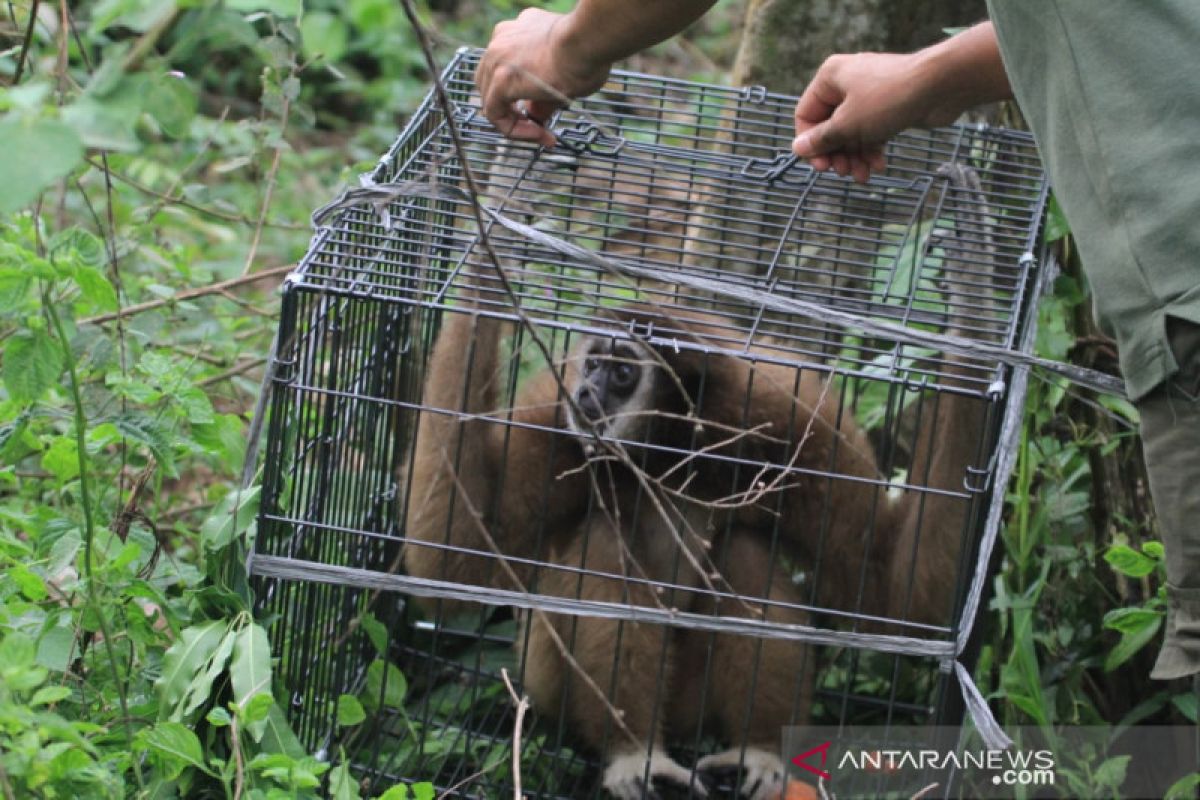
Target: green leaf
column 84, row 247
column 278, row 736
column 385, row 686
column 1130, row 644
column 175, row 745
column 1188, row 705
column 224, row 437
column 95, row 288
column 61, row 459
column 185, row 659
column 39, row 153
column 250, row 671
column 342, row 783
column 172, row 103
column 201, row 687
column 196, row 406
column 1130, row 562
column 423, row 791
column 257, row 709
column 146, row 430
column 55, row 648
column 1154, row 550
column 325, row 36
column 349, row 711
column 1131, row 620
column 1111, row 773
column 376, row 632
column 17, row 650
column 282, row 8
column 219, row 718
column 106, row 117
column 32, row 364
column 1184, row 788
column 30, row 585
column 1056, row 221
column 233, row 518
column 137, row 15
column 49, row 694
column 14, row 289
column 397, row 792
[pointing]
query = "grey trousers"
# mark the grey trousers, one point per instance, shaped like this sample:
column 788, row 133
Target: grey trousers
column 1171, row 442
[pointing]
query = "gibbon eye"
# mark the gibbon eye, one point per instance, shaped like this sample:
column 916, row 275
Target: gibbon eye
column 624, row 375
column 590, row 365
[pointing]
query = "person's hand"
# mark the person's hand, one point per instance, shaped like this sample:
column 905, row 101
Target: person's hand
column 528, row 71
column 853, row 105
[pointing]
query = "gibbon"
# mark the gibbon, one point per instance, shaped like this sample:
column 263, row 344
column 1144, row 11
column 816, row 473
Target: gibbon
column 653, row 467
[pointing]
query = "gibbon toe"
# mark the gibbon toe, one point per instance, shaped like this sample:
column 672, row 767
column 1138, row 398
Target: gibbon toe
column 626, row 776
column 763, row 772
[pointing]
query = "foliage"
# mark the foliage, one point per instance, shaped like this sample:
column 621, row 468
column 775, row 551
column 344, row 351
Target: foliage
column 160, row 159
column 1081, row 595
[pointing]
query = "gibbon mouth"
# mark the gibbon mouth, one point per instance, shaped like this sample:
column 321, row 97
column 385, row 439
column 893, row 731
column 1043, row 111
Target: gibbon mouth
column 581, row 431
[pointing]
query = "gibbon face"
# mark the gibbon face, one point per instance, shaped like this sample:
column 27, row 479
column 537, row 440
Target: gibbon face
column 614, row 387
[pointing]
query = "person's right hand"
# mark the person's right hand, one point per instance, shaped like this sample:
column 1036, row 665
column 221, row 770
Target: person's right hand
column 528, row 71
column 853, row 105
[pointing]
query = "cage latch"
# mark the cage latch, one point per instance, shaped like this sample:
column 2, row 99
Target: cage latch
column 586, row 137
column 771, row 169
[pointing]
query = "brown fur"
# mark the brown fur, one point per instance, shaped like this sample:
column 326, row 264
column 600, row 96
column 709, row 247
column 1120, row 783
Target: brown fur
column 537, row 500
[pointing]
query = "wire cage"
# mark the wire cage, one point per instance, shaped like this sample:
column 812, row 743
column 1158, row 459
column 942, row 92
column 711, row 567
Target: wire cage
column 689, row 440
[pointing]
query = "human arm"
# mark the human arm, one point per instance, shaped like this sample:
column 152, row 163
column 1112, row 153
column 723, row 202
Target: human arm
column 855, row 103
column 541, row 60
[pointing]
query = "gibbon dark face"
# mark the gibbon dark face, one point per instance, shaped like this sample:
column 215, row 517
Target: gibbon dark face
column 615, row 388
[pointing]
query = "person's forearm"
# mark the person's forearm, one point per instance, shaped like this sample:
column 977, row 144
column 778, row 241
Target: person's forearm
column 962, row 72
column 604, row 31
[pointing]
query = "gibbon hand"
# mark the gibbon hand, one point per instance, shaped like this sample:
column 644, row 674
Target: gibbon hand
column 856, row 103
column 538, row 62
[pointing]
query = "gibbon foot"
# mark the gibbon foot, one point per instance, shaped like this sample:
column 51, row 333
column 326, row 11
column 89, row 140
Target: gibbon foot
column 625, row 776
column 763, row 773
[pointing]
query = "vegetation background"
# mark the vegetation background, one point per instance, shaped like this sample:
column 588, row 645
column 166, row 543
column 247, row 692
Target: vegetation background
column 158, row 163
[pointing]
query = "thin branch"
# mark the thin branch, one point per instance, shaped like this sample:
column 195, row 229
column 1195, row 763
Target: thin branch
column 25, row 44
column 150, row 38
column 188, row 294
column 522, row 704
column 233, row 372
column 272, row 173
column 179, row 201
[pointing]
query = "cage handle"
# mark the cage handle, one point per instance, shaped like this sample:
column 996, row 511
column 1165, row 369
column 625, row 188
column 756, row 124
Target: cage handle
column 586, row 137
column 772, row 169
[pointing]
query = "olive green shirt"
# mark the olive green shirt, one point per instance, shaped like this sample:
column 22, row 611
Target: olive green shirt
column 1111, row 89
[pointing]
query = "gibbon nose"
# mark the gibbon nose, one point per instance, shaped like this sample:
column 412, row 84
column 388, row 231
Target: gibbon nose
column 589, row 404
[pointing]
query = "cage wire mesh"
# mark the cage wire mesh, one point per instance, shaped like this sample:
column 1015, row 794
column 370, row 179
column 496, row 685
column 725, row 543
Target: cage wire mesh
column 780, row 522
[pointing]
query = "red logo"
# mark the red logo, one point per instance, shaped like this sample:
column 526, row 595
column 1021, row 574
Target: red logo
column 823, row 750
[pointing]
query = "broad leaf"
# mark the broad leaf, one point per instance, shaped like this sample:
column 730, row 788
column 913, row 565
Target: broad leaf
column 185, row 659
column 38, row 154
column 1130, row 562
column 201, row 687
column 233, row 517
column 175, row 747
column 1130, row 644
column 32, row 364
column 342, row 783
column 349, row 711
column 250, row 671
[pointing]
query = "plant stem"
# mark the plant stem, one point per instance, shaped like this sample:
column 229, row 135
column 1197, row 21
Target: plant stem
column 89, row 526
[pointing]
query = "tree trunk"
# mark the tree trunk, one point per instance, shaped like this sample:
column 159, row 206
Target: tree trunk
column 784, row 41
